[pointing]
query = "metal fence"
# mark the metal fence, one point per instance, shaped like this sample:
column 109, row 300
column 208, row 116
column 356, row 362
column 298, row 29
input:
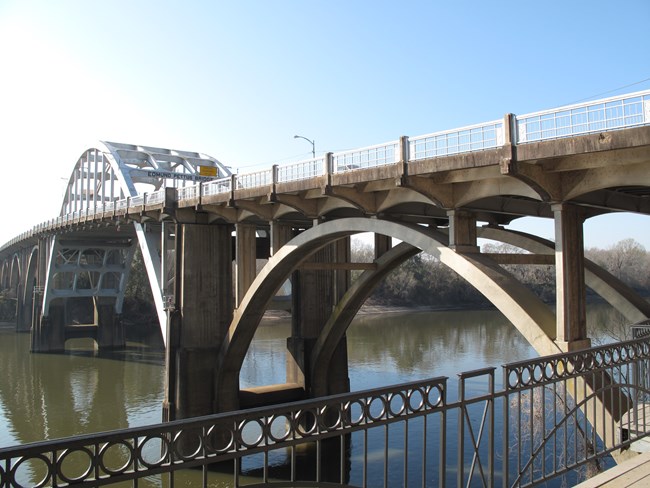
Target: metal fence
column 598, row 116
column 550, row 417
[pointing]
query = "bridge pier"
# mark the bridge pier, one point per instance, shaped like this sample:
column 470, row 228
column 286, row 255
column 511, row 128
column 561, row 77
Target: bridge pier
column 246, row 258
column 462, row 231
column 110, row 329
column 199, row 320
column 48, row 333
column 570, row 278
column 317, row 288
column 23, row 309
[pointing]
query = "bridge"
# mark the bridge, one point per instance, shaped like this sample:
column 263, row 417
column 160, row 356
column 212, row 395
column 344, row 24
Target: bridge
column 437, row 193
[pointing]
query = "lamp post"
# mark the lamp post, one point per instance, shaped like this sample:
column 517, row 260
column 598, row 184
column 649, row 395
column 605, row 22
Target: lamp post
column 313, row 144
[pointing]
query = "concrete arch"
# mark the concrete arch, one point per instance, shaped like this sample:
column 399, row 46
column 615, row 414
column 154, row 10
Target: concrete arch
column 4, row 275
column 15, row 272
column 347, row 309
column 529, row 314
column 618, row 294
column 26, row 301
column 470, row 192
column 602, row 178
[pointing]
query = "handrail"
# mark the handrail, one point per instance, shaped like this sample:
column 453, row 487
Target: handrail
column 466, row 139
column 301, row 170
column 366, row 157
column 612, row 113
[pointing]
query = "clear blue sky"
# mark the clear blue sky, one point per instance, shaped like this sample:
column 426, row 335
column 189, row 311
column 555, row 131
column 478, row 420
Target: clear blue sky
column 238, row 79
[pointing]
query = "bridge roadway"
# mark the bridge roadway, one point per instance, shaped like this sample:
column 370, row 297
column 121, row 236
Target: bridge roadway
column 436, row 193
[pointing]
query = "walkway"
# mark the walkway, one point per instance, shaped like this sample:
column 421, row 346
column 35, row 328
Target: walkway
column 632, row 473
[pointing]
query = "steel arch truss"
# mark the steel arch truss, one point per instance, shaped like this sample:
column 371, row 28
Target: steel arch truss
column 88, row 268
column 93, row 266
column 113, row 171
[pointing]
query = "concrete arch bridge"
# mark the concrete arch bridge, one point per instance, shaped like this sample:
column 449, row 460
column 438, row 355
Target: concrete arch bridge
column 435, row 193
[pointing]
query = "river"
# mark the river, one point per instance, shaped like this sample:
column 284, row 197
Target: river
column 47, row 396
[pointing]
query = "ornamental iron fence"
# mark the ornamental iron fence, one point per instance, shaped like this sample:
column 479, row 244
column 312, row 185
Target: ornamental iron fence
column 542, row 419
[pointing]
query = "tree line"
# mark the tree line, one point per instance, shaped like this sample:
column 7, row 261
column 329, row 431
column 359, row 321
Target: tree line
column 424, row 281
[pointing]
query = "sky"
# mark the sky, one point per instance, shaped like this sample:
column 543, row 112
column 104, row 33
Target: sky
column 237, row 80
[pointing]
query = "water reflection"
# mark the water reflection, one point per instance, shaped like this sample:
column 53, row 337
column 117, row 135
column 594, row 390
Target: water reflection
column 45, row 396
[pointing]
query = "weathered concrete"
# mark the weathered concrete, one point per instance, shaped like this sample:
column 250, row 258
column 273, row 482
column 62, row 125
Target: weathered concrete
column 246, row 259
column 570, row 293
column 110, row 329
column 532, row 317
column 200, row 319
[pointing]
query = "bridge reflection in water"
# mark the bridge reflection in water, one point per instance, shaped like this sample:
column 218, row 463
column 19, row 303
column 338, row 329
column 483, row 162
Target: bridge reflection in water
column 534, row 427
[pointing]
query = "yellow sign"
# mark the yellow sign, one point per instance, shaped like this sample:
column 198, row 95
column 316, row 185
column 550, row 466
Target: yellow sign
column 208, row 170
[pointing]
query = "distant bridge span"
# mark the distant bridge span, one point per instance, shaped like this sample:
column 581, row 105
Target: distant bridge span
column 438, row 193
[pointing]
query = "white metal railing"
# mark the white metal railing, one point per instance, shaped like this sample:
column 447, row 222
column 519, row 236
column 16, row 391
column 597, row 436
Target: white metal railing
column 466, row 139
column 137, row 201
column 254, row 180
column 188, row 192
column 156, row 197
column 217, row 187
column 367, row 157
column 301, row 170
column 597, row 116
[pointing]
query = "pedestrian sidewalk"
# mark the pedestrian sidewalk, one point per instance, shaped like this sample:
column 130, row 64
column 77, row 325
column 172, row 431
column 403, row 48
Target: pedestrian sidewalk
column 632, row 473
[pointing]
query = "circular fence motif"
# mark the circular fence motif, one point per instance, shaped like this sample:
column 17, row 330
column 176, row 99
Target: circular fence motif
column 28, row 469
column 153, row 451
column 75, row 465
column 116, row 457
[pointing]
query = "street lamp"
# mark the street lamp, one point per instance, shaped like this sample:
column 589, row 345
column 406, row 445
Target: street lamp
column 313, row 144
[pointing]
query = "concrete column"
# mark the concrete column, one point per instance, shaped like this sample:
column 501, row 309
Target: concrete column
column 110, row 329
column 281, row 233
column 246, row 259
column 462, row 231
column 383, row 244
column 315, row 294
column 22, row 314
column 570, row 278
column 199, row 320
column 49, row 336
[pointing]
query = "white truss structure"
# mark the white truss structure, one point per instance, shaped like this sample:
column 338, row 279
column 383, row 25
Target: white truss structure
column 97, row 264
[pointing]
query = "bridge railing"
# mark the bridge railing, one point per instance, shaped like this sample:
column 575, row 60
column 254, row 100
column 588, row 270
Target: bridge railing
column 585, row 118
column 467, row 139
column 254, row 180
column 366, row 157
column 217, row 187
column 545, row 419
column 302, row 170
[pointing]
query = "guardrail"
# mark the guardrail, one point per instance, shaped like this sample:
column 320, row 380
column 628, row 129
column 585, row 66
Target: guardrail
column 366, row 157
column 467, row 139
column 625, row 111
column 302, row 170
column 533, row 428
column 598, row 116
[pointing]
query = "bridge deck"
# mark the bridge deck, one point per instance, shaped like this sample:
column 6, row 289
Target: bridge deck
column 632, row 473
